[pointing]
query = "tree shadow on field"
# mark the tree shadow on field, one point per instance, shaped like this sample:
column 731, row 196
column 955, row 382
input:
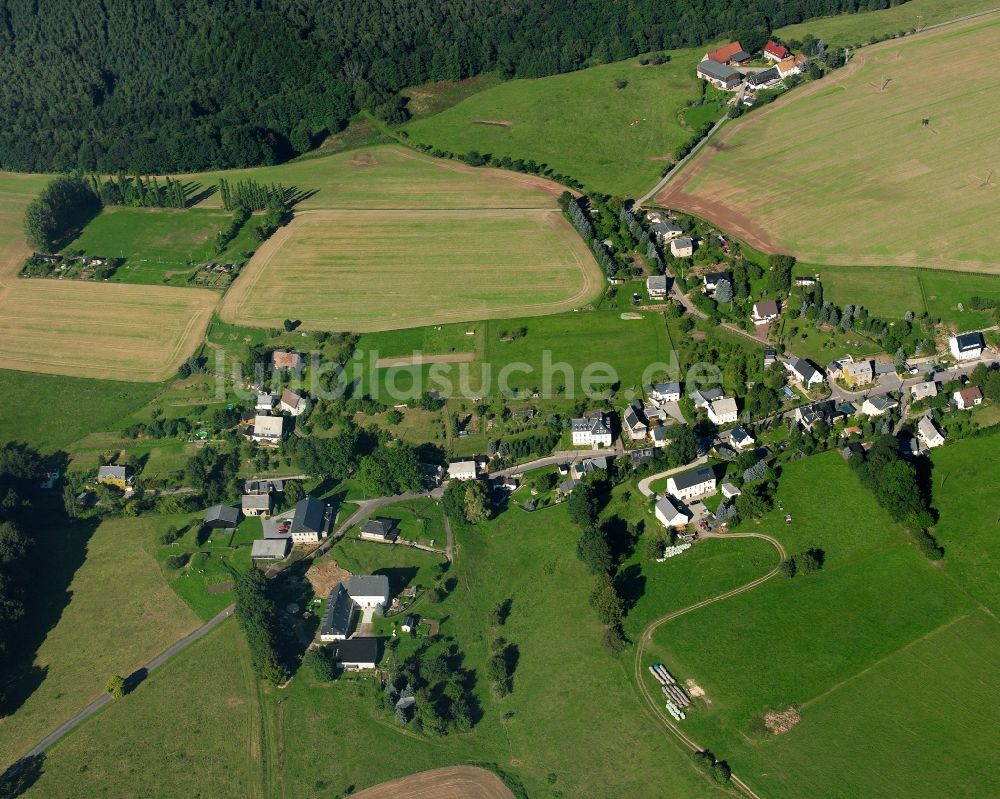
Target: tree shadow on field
column 21, row 776
column 60, row 550
column 195, row 193
column 631, row 585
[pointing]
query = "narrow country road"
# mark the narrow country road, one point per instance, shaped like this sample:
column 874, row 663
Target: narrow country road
column 559, row 458
column 680, row 164
column 154, row 664
column 647, row 634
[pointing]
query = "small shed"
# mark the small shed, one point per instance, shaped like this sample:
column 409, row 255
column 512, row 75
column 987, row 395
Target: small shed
column 222, row 517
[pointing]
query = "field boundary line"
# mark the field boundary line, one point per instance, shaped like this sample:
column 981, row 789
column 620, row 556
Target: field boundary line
column 881, row 660
column 647, row 634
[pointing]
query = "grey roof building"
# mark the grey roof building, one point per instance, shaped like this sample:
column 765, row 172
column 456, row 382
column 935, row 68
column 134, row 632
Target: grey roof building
column 693, row 477
column 222, row 516
column 269, row 548
column 356, row 653
column 338, row 615
column 381, row 528
column 309, row 517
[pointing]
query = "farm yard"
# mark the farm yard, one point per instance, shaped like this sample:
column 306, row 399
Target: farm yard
column 916, row 188
column 613, row 138
column 381, row 270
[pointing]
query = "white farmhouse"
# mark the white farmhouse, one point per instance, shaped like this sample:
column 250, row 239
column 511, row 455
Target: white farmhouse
column 723, row 410
column 929, row 433
column 268, row 429
column 967, row 346
column 668, row 515
column 462, row 470
column 593, row 430
column 693, row 483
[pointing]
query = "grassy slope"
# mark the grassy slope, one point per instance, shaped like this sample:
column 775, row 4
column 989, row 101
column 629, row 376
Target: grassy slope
column 781, row 644
column 964, row 494
column 192, row 729
column 119, row 615
column 50, row 411
column 849, row 30
column 580, row 124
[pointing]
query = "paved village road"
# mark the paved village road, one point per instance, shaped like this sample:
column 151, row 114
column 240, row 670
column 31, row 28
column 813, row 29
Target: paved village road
column 144, row 671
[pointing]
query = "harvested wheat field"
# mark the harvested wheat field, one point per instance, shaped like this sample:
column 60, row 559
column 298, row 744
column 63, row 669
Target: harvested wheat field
column 115, row 332
column 893, row 160
column 452, row 782
column 382, row 270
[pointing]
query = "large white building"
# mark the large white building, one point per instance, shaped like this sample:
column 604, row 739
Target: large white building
column 966, row 346
column 693, row 483
column 462, row 470
column 367, row 592
column 593, row 430
column 723, row 410
column 268, row 429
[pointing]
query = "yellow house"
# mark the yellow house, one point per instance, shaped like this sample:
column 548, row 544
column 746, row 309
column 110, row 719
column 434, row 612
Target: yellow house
column 114, row 476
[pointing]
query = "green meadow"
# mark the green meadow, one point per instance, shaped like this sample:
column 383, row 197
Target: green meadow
column 964, row 493
column 52, row 411
column 833, row 644
column 161, row 245
column 891, row 291
column 614, row 138
column 850, row 30
column 219, row 736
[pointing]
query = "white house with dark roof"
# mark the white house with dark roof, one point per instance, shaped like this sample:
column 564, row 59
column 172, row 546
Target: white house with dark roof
column 710, row 281
column 967, row 346
column 380, row 529
column 664, row 392
column 593, row 430
column 879, row 405
column 664, row 228
column 929, row 433
column 656, row 287
column 804, row 372
column 659, row 437
column 723, row 410
column 740, row 438
column 704, row 397
column 310, row 521
column 634, row 423
column 692, row 483
column 356, row 654
column 764, row 311
column 364, row 592
column 669, row 515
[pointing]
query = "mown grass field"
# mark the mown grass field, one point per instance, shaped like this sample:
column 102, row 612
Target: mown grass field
column 890, row 291
column 834, row 644
column 566, row 341
column 382, row 270
column 417, row 520
column 862, row 181
column 964, row 494
column 391, row 177
column 205, row 729
column 614, row 140
column 160, row 245
column 110, row 612
column 73, row 407
column 851, row 30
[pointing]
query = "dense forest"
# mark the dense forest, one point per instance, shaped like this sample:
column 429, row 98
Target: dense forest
column 156, row 86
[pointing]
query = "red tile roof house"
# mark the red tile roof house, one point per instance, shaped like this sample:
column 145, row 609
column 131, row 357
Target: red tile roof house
column 732, row 53
column 968, row 397
column 775, row 52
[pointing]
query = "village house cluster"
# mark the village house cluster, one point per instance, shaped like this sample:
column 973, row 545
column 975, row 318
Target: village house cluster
column 722, row 67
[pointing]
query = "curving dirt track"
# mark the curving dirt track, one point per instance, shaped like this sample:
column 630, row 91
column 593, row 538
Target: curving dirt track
column 638, row 670
column 451, row 782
